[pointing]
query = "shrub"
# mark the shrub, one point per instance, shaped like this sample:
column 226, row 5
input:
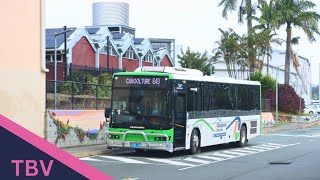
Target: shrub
column 257, row 76
column 288, row 100
column 269, row 82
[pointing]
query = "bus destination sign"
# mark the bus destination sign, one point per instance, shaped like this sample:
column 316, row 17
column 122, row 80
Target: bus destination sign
column 139, row 81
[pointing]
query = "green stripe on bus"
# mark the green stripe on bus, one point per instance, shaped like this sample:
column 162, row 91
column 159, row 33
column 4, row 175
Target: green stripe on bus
column 202, row 120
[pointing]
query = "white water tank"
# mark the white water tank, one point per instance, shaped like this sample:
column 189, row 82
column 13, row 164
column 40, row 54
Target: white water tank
column 110, row 13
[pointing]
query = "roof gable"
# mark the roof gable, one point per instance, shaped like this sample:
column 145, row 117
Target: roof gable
column 60, row 39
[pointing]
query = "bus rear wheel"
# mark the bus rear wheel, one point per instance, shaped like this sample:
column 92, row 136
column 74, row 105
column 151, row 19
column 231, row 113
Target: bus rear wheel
column 243, row 137
column 195, row 142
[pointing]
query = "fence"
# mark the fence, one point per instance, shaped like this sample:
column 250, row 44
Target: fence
column 67, row 72
column 77, row 95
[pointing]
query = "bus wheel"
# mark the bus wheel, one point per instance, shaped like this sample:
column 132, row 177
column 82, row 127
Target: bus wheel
column 195, row 142
column 243, row 137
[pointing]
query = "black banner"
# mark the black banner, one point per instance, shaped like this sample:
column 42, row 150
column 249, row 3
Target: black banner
column 141, row 81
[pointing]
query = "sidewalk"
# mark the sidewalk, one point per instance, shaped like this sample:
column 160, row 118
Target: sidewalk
column 85, row 151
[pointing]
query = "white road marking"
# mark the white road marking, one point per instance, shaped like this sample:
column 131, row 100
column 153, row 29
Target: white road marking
column 167, row 161
column 197, row 160
column 263, row 148
column 271, row 145
column 259, row 150
column 90, row 159
column 223, row 155
column 243, row 151
column 126, row 160
column 251, row 148
column 193, row 161
column 277, row 144
column 234, row 153
column 211, row 157
column 292, row 135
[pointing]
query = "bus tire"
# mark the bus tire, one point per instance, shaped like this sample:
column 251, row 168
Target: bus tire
column 194, row 142
column 243, row 137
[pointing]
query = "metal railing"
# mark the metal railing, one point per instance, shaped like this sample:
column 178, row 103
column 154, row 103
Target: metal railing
column 77, row 95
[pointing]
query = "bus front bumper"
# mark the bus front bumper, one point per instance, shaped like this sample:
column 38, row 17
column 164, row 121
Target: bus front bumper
column 165, row 145
column 140, row 145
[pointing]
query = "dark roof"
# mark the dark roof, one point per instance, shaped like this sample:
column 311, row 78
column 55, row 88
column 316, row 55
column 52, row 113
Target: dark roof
column 60, row 39
column 92, row 30
column 138, row 40
column 117, row 35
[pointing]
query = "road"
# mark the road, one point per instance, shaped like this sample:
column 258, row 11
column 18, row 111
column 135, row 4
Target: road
column 288, row 155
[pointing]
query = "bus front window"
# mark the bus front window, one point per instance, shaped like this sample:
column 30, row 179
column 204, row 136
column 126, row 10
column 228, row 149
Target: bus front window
column 140, row 107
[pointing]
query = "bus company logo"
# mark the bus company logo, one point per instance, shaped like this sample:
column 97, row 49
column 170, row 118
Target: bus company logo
column 221, row 126
column 32, row 167
column 219, row 135
column 180, row 86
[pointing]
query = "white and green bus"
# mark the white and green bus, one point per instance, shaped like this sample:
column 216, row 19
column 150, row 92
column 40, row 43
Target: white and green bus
column 172, row 109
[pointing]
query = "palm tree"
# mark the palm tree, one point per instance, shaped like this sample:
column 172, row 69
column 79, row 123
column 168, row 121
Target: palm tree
column 228, row 48
column 267, row 24
column 297, row 13
column 231, row 5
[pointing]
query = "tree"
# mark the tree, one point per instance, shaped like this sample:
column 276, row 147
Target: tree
column 297, row 13
column 229, row 48
column 195, row 60
column 231, row 5
column 267, row 25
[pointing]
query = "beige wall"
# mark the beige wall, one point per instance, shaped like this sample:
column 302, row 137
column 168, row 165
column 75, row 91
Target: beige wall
column 22, row 88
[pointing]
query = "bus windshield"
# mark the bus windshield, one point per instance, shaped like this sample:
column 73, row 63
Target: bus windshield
column 140, row 108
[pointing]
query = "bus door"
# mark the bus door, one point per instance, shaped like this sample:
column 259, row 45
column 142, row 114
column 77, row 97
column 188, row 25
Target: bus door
column 180, row 120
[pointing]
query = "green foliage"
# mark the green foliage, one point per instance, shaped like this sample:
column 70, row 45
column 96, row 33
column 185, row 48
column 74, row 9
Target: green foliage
column 85, row 83
column 257, row 76
column 296, row 13
column 195, row 60
column 267, row 82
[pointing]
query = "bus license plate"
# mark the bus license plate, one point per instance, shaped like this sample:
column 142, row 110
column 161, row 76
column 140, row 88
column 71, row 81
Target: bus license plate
column 135, row 145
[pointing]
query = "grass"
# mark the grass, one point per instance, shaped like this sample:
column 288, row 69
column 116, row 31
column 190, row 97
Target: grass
column 281, row 123
column 290, row 114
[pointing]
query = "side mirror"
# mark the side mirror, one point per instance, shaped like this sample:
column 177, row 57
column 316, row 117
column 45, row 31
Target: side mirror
column 107, row 112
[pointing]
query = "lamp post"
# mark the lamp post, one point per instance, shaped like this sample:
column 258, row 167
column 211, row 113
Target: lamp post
column 55, row 63
column 277, row 69
column 319, row 84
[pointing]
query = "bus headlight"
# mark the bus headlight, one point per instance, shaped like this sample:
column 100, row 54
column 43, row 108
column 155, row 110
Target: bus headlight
column 161, row 138
column 111, row 136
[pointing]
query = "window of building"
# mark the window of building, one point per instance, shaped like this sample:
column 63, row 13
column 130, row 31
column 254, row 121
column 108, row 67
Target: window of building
column 50, row 56
column 111, row 50
column 130, row 54
column 148, row 57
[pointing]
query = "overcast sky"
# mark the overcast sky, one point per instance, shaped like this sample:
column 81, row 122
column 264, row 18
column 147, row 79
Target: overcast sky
column 191, row 23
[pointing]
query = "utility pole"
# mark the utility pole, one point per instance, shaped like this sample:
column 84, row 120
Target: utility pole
column 65, row 53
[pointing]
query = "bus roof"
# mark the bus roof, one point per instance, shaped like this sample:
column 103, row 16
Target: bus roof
column 185, row 74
